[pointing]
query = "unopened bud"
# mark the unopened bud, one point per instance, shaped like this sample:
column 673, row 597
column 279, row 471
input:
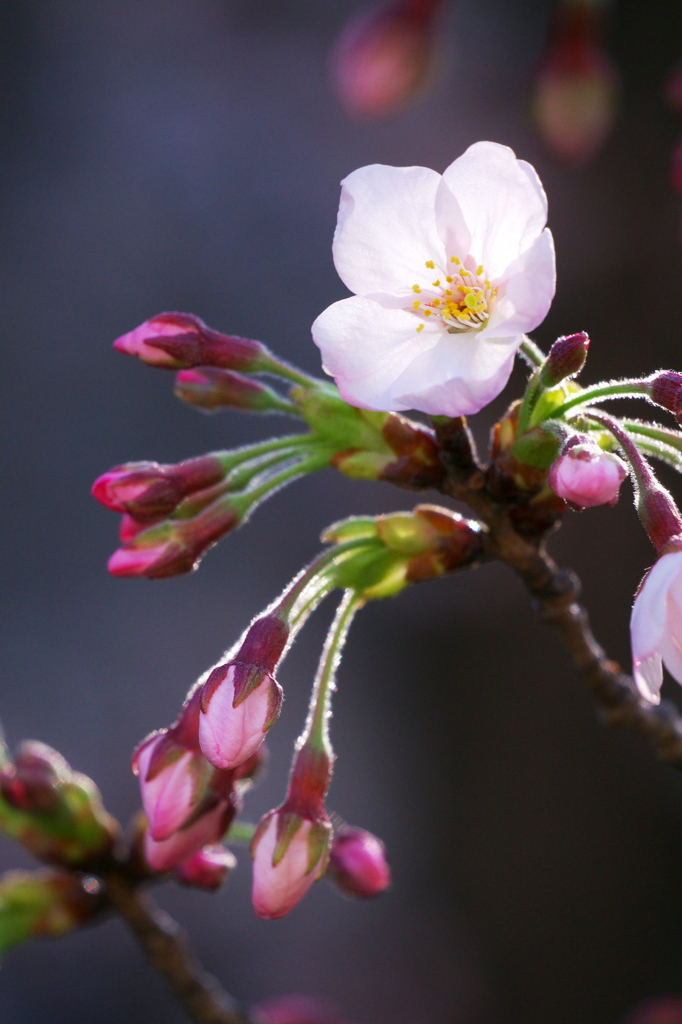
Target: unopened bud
column 148, row 490
column 566, row 359
column 289, row 853
column 418, row 464
column 574, row 98
column 383, row 56
column 174, row 546
column 212, row 389
column 31, row 782
column 667, row 1010
column 586, row 476
column 241, row 699
column 665, row 389
column 357, row 863
column 181, row 340
column 205, row 830
column 39, row 904
column 208, row 868
column 295, row 1010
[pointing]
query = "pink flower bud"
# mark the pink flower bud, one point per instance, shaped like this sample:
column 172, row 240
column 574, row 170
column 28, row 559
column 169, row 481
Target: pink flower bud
column 205, row 830
column 129, row 527
column 208, row 868
column 673, row 88
column 173, row 780
column 383, row 56
column 574, row 98
column 296, row 1010
column 174, row 546
column 658, row 1011
column 586, row 476
column 289, row 853
column 357, row 863
column 31, row 782
column 241, row 699
column 212, row 389
column 566, row 359
column 176, row 340
column 148, row 490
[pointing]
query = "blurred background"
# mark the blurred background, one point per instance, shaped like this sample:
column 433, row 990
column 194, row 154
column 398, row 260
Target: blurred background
column 183, row 155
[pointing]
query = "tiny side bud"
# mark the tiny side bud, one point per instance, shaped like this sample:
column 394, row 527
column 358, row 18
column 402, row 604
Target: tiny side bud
column 566, row 359
column 357, row 863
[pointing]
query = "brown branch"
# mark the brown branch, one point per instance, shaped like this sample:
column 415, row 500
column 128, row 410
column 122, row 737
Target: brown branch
column 556, row 592
column 163, row 943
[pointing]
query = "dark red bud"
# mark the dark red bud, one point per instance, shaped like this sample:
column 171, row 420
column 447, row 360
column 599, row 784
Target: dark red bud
column 31, row 782
column 566, row 358
column 202, row 346
column 147, row 490
column 211, row 389
column 665, row 389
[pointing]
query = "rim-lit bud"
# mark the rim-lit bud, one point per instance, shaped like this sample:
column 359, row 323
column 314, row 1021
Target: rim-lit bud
column 294, row 1009
column 208, row 868
column 211, row 390
column 357, row 863
column 181, row 340
column 241, row 699
column 32, row 781
column 566, row 359
column 586, row 476
column 205, row 830
column 147, row 490
column 289, row 853
column 175, row 546
column 576, row 86
column 665, row 389
column 382, row 58
column 39, row 904
column 666, row 1010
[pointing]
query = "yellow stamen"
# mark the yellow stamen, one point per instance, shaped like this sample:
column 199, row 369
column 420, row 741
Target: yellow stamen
column 449, row 279
column 420, row 328
column 479, row 270
column 430, row 264
column 416, row 288
column 427, row 312
column 416, row 304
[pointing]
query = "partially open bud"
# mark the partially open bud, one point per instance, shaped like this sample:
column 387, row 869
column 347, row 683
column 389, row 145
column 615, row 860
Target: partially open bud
column 566, row 359
column 212, row 389
column 206, row 828
column 383, row 56
column 38, row 904
column 147, row 490
column 576, row 85
column 586, row 476
column 241, row 698
column 296, row 1010
column 357, row 863
column 176, row 340
column 175, row 546
column 207, row 869
column 289, row 853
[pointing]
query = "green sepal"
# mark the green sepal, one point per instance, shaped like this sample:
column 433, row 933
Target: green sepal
column 288, row 824
column 536, row 448
column 404, row 533
column 373, row 572
column 355, row 528
column 547, row 402
column 333, row 420
column 363, row 465
column 319, row 844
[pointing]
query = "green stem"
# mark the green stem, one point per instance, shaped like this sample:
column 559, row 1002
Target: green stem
column 532, row 353
column 313, row 583
column 315, row 460
column 316, row 731
column 240, row 832
column 279, row 368
column 530, row 397
column 235, row 457
column 672, row 438
column 614, row 389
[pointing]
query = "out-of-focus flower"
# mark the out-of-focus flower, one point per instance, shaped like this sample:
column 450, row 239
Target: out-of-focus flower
column 241, row 699
column 586, row 476
column 175, row 340
column 576, row 86
column 208, row 868
column 657, row 1011
column 289, row 854
column 292, row 1009
column 383, row 56
column 357, row 863
column 656, row 624
column 449, row 273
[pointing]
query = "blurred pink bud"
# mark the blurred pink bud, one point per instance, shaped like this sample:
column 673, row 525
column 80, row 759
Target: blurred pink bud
column 382, row 57
column 657, row 1011
column 176, row 340
column 673, row 88
column 586, row 476
column 576, row 86
column 357, row 863
column 296, row 1010
column 289, row 854
column 212, row 389
column 148, row 490
column 129, row 527
column 174, row 546
column 241, row 699
column 566, row 358
column 205, row 830
column 31, row 782
column 208, row 868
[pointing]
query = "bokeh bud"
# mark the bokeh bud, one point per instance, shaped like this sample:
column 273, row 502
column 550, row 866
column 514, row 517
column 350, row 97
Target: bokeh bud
column 208, row 868
column 357, row 863
column 37, row 904
column 295, row 1010
column 212, row 389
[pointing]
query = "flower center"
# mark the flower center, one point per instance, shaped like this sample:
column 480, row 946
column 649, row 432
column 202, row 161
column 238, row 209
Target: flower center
column 462, row 298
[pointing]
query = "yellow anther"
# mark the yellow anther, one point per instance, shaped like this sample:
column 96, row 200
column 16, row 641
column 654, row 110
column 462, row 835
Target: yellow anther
column 479, row 270
column 436, row 302
column 416, row 304
column 455, row 259
column 436, row 283
column 430, row 264
column 420, row 328
column 449, row 279
column 448, row 292
column 416, row 288
column 427, row 312
column 487, row 284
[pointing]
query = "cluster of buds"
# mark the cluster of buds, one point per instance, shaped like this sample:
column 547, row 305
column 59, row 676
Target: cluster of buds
column 576, row 84
column 41, row 904
column 383, row 56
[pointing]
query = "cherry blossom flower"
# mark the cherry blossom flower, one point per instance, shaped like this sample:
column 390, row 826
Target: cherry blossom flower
column 449, row 273
column 656, row 625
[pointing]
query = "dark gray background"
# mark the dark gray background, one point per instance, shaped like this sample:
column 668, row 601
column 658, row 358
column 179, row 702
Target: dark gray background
column 176, row 154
